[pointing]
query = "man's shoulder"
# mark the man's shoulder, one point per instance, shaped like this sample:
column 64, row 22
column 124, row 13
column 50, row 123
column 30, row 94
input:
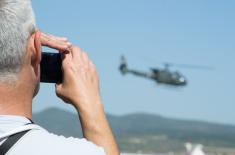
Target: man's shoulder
column 41, row 141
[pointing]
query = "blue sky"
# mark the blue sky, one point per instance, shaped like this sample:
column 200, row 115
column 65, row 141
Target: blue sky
column 149, row 32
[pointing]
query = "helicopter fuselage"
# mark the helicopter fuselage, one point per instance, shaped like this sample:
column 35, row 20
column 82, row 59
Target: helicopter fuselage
column 163, row 76
column 167, row 77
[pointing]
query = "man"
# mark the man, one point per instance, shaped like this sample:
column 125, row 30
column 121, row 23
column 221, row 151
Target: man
column 20, row 56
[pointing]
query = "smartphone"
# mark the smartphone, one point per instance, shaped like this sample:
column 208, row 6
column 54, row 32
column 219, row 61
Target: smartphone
column 51, row 68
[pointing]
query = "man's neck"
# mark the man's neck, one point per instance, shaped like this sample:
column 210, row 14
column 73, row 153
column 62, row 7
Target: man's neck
column 15, row 100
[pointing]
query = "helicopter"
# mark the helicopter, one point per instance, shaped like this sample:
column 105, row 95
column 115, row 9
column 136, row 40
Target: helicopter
column 161, row 75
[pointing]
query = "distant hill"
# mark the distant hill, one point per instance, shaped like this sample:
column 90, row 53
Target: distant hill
column 145, row 132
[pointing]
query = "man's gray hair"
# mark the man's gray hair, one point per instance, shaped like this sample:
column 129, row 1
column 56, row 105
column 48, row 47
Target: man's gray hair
column 17, row 23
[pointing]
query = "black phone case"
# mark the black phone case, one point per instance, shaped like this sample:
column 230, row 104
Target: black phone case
column 51, row 68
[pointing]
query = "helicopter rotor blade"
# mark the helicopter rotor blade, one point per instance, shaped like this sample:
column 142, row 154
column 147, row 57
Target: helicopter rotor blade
column 152, row 61
column 189, row 66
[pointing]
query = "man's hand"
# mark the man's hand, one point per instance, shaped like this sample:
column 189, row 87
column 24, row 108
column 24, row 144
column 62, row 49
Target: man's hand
column 80, row 85
column 80, row 80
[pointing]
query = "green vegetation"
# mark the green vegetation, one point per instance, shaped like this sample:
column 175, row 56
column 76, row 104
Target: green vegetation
column 146, row 133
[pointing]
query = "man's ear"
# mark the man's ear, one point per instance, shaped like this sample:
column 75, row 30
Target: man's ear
column 34, row 51
column 37, row 47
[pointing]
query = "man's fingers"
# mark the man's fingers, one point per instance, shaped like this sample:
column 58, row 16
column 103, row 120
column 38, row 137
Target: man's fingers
column 66, row 61
column 58, row 43
column 54, row 38
column 57, row 38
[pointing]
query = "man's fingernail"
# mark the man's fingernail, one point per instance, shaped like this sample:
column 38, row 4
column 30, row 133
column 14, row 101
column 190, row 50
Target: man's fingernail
column 62, row 38
column 65, row 39
column 69, row 44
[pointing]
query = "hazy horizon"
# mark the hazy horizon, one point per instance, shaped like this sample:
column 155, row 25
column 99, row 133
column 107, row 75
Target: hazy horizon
column 72, row 111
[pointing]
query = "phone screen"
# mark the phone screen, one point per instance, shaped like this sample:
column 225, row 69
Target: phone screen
column 51, row 68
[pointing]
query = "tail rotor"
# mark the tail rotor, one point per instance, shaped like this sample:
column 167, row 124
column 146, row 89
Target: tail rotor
column 123, row 67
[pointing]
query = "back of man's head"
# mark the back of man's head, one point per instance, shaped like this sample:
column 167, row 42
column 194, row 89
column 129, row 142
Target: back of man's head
column 17, row 23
